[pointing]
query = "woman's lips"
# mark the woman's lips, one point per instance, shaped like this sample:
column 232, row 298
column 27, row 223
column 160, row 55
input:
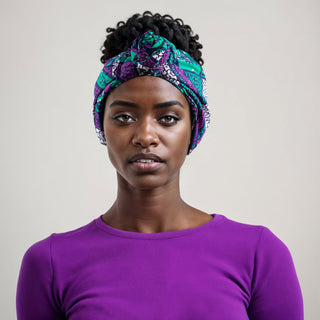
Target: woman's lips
column 146, row 166
column 146, row 161
column 145, row 156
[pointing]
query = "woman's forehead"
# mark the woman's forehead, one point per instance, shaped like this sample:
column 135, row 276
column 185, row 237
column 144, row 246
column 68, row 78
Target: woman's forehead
column 147, row 88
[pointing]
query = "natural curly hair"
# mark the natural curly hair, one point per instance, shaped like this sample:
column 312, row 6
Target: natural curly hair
column 180, row 34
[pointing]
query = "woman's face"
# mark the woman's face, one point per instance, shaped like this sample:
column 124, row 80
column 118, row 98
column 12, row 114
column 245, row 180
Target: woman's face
column 147, row 128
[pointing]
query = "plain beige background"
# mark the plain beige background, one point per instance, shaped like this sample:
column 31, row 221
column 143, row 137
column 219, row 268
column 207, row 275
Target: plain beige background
column 257, row 164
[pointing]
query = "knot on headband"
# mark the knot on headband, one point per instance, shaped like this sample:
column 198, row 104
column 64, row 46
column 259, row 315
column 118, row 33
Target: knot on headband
column 153, row 55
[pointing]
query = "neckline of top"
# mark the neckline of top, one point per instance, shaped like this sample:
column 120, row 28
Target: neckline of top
column 158, row 235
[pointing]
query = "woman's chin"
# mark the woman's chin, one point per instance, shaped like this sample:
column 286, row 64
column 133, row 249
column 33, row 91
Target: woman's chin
column 145, row 182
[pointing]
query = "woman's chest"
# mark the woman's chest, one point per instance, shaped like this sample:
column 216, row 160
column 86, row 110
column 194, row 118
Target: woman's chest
column 145, row 290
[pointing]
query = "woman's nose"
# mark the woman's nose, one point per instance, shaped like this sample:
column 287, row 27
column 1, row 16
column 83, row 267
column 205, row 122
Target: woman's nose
column 145, row 134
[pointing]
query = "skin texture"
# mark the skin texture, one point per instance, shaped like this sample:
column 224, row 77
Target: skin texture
column 149, row 115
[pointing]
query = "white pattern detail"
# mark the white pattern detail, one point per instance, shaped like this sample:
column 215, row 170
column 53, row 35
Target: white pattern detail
column 168, row 74
column 142, row 70
column 114, row 67
column 158, row 56
column 204, row 88
column 101, row 136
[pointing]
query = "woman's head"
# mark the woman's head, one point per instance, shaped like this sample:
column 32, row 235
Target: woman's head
column 150, row 54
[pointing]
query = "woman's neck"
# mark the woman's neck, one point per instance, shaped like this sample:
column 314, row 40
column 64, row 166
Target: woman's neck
column 153, row 210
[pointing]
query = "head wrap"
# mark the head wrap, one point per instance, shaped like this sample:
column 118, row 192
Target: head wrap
column 153, row 55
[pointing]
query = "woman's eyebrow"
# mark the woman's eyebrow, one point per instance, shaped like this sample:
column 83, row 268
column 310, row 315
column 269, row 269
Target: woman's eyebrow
column 123, row 103
column 156, row 106
column 168, row 104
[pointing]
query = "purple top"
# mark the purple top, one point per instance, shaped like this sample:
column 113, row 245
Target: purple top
column 223, row 270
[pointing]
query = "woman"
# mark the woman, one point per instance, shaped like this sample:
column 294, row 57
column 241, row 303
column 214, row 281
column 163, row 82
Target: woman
column 151, row 255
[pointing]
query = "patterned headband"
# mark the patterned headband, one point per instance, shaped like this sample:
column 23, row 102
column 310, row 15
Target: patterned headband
column 153, row 55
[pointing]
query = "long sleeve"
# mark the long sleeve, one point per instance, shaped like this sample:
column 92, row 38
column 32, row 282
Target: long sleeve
column 276, row 293
column 34, row 299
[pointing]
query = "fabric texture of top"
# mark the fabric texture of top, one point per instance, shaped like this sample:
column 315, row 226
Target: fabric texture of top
column 223, row 269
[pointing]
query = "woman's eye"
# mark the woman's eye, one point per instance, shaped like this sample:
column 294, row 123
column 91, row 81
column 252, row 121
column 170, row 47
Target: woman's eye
column 169, row 119
column 123, row 118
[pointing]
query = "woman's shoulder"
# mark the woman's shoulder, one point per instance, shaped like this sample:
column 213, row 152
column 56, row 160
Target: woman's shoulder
column 237, row 228
column 43, row 247
column 260, row 236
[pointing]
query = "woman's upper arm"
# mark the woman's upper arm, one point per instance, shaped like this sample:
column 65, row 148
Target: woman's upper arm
column 34, row 299
column 276, row 292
